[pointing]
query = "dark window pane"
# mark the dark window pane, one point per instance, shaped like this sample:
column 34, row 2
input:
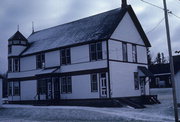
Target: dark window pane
column 16, row 88
column 16, row 64
column 136, row 81
column 94, row 85
column 134, row 53
column 124, row 47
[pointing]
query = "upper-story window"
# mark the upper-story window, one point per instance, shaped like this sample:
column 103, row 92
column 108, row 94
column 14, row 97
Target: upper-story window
column 65, row 56
column 13, row 65
column 9, row 49
column 10, row 69
column 134, row 53
column 16, row 64
column 40, row 61
column 124, row 51
column 96, row 51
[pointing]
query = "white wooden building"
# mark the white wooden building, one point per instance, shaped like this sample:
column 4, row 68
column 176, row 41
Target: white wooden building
column 102, row 56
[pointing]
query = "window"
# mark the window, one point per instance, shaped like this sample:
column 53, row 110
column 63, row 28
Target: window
column 10, row 65
column 66, row 84
column 96, row 51
column 124, row 48
column 16, row 88
column 136, row 81
column 65, row 56
column 134, row 53
column 40, row 61
column 94, row 83
column 16, row 42
column 9, row 49
column 42, row 86
column 16, row 65
column 9, row 88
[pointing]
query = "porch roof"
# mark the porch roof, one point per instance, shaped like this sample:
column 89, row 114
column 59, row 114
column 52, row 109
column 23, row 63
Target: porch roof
column 145, row 72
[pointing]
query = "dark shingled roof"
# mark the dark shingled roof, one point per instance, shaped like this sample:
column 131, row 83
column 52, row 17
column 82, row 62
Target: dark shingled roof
column 17, row 36
column 94, row 28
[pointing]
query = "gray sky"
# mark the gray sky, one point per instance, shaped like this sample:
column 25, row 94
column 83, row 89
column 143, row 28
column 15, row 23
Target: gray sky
column 48, row 13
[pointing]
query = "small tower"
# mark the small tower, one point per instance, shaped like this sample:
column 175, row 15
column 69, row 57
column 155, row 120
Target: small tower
column 16, row 45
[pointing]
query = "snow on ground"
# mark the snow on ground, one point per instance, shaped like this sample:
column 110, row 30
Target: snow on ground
column 153, row 113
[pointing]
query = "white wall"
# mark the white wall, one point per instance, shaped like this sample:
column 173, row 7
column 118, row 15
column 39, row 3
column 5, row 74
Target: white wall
column 16, row 50
column 122, row 79
column 28, row 89
column 1, row 92
column 115, row 50
column 126, row 31
column 28, row 63
column 84, row 66
column 81, row 88
column 52, row 58
column 142, row 54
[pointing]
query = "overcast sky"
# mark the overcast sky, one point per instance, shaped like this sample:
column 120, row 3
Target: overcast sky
column 48, row 13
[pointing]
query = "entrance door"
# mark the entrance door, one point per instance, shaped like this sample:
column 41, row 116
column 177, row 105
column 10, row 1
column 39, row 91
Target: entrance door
column 56, row 89
column 142, row 85
column 49, row 89
column 103, row 85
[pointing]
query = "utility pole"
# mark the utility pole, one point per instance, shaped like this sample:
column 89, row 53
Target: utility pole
column 171, row 62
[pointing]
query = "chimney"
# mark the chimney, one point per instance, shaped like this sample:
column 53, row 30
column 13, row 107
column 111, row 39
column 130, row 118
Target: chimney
column 124, row 4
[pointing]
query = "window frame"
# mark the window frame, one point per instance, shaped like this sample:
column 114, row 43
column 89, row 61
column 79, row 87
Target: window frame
column 40, row 61
column 134, row 53
column 94, row 82
column 10, row 65
column 9, row 49
column 95, row 53
column 124, row 52
column 10, row 86
column 16, row 64
column 16, row 89
column 136, row 81
column 65, row 56
column 66, row 85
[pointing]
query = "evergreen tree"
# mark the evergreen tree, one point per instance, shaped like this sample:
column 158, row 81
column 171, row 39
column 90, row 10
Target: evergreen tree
column 163, row 58
column 158, row 59
column 149, row 58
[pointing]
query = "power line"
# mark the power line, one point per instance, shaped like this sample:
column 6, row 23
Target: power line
column 158, row 24
column 153, row 5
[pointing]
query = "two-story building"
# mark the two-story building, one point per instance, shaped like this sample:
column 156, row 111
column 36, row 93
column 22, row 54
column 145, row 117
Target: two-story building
column 99, row 57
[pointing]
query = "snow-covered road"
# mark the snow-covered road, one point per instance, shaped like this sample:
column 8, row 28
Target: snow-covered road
column 153, row 113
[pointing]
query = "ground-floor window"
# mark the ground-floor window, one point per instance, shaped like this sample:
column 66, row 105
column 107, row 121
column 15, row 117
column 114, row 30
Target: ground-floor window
column 94, row 83
column 136, row 81
column 9, row 88
column 66, row 84
column 14, row 88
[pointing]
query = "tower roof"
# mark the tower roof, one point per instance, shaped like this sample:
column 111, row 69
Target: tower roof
column 17, row 36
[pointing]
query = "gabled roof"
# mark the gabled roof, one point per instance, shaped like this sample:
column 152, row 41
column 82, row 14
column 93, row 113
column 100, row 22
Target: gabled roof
column 94, row 28
column 17, row 36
